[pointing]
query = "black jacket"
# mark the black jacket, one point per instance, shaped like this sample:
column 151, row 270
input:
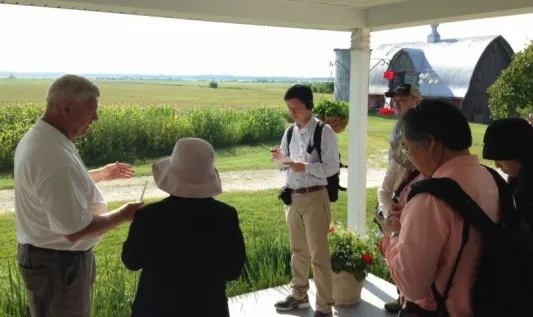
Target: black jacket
column 187, row 249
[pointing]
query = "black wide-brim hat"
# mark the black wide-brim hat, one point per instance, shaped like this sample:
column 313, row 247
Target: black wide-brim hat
column 508, row 139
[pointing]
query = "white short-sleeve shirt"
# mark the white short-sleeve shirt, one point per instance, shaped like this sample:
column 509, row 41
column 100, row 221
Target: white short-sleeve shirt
column 54, row 193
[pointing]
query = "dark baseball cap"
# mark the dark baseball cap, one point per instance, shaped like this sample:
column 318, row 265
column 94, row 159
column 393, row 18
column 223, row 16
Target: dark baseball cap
column 404, row 90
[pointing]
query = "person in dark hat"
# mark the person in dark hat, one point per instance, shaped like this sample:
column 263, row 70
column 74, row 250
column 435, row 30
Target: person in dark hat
column 509, row 142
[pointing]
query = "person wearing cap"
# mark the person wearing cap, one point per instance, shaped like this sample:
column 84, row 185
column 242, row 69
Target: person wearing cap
column 509, row 142
column 400, row 173
column 188, row 244
column 404, row 97
column 308, row 214
column 60, row 212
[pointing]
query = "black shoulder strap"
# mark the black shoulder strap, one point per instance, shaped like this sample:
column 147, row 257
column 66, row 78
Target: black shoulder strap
column 404, row 183
column 451, row 193
column 289, row 137
column 317, row 139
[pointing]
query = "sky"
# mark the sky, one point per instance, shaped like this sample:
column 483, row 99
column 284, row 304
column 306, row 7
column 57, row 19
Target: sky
column 37, row 39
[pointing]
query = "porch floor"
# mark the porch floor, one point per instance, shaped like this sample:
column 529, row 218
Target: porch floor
column 375, row 294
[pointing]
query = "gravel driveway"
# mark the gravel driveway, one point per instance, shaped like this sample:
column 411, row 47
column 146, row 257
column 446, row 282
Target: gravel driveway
column 130, row 189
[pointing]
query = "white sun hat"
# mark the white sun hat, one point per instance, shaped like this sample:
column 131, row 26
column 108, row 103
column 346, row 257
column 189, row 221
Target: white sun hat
column 189, row 172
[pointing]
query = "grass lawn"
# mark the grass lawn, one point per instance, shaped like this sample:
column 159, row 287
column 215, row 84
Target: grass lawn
column 258, row 156
column 254, row 221
column 266, row 238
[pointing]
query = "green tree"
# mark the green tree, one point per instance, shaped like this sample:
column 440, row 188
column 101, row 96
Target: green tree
column 512, row 93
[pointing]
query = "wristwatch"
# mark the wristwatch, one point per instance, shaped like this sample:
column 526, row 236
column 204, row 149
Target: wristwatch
column 394, row 234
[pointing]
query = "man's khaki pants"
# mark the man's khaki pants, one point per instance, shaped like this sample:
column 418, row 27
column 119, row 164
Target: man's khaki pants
column 309, row 218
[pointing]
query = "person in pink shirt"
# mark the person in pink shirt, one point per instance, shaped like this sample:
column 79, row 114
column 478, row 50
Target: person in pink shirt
column 424, row 242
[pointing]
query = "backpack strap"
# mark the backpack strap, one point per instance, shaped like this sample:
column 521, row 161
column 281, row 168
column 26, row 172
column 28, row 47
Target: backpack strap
column 289, row 137
column 413, row 174
column 317, row 140
column 450, row 192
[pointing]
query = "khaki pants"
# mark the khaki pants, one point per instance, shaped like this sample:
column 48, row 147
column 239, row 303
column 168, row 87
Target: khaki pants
column 309, row 218
column 58, row 283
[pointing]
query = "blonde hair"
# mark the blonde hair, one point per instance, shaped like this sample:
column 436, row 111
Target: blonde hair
column 72, row 88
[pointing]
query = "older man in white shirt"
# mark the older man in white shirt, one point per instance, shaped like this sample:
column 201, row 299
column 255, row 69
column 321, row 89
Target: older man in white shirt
column 308, row 214
column 60, row 212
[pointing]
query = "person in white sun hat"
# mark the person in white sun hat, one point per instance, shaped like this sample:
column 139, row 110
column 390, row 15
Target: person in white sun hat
column 188, row 244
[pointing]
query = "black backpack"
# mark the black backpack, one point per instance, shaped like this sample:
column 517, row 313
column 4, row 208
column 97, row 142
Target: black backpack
column 504, row 281
column 333, row 180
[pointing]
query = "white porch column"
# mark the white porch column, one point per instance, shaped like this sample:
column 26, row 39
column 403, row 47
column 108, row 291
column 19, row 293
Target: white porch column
column 358, row 121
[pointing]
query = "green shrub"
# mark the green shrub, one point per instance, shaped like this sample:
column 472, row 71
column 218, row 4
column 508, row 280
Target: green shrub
column 129, row 133
column 512, row 93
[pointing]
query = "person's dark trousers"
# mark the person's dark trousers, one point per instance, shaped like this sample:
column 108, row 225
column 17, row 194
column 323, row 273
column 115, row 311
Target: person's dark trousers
column 58, row 283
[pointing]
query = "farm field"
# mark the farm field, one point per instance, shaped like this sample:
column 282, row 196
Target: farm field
column 240, row 95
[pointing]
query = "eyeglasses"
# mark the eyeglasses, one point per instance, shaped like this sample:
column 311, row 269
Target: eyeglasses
column 404, row 151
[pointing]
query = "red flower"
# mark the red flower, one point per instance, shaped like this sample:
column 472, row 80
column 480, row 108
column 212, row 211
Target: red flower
column 386, row 111
column 367, row 259
column 331, row 229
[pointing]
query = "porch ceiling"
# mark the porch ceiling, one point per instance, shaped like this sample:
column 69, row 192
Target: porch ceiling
column 338, row 15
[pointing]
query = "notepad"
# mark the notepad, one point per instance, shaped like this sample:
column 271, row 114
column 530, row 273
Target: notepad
column 283, row 162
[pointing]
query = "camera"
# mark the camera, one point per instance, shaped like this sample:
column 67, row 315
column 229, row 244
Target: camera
column 285, row 195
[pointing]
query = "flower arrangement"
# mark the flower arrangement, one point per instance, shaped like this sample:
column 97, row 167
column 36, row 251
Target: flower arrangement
column 350, row 253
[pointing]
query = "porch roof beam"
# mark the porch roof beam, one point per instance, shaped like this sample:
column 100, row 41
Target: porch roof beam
column 422, row 12
column 296, row 14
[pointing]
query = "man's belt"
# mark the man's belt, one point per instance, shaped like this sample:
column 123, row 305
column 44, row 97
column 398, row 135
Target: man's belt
column 55, row 252
column 306, row 190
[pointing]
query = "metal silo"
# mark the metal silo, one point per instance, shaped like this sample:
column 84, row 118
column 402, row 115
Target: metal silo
column 342, row 74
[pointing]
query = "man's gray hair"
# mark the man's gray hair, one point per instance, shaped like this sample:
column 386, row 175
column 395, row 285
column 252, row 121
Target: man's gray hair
column 71, row 88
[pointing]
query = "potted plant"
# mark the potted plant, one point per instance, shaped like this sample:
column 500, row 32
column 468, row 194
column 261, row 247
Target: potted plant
column 351, row 260
column 335, row 113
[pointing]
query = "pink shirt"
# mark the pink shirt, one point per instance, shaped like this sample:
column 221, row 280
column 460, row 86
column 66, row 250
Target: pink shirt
column 431, row 235
column 402, row 198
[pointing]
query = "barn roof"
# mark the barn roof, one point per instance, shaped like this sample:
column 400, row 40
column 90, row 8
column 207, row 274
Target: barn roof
column 451, row 61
